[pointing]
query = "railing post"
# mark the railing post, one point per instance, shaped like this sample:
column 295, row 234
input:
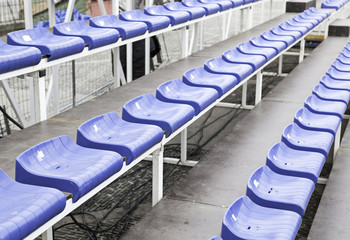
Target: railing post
column 157, row 178
column 302, row 50
column 258, row 87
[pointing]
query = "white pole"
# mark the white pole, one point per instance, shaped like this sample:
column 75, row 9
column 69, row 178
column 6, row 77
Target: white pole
column 52, row 18
column 115, row 7
column 28, row 15
column 69, row 12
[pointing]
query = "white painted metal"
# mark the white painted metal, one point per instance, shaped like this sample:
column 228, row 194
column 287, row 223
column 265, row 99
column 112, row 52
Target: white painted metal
column 302, row 50
column 336, row 142
column 115, row 7
column 250, row 16
column 56, row 93
column 28, row 17
column 184, row 146
column 69, row 12
column 223, row 26
column 48, row 234
column 258, row 87
column 157, row 179
column 102, row 7
column 244, row 94
column 51, row 9
column 228, row 25
column 42, row 98
column 322, row 180
column 185, row 33
column 201, row 31
column 32, row 97
column 147, row 55
column 129, row 59
column 116, row 61
column 280, row 65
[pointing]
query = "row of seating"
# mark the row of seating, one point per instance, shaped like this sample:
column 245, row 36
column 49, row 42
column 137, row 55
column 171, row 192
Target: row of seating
column 278, row 193
column 334, row 4
column 104, row 142
column 25, row 48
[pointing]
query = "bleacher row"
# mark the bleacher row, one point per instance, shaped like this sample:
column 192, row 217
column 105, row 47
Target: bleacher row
column 335, row 4
column 147, row 123
column 278, row 193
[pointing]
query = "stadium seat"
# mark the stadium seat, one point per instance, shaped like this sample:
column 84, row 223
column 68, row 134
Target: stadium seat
column 62, row 164
column 109, row 132
column 300, row 19
column 259, row 41
column 285, row 32
column 305, row 24
column 147, row 109
column 209, row 8
column 287, row 161
column 249, row 48
column 199, row 77
column 237, row 3
column 24, row 208
column 195, row 12
column 330, row 94
column 126, row 29
column 338, row 75
column 269, row 189
column 288, row 27
column 308, row 16
column 17, row 57
column 344, row 59
column 216, row 238
column 307, row 140
column 50, row 45
column 331, row 83
column 341, row 67
column 175, row 91
column 176, row 17
column 317, row 12
column 271, row 36
column 154, row 23
column 332, row 4
column 220, row 66
column 318, row 105
column 93, row 37
column 223, row 4
column 345, row 52
column 236, row 56
column 246, row 220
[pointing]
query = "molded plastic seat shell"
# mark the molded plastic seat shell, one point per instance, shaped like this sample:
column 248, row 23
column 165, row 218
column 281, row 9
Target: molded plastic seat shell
column 338, row 75
column 345, row 52
column 24, row 208
column 318, row 105
column 147, row 109
column 175, row 91
column 176, row 17
column 154, row 23
column 317, row 122
column 17, row 57
column 51, row 45
column 216, row 238
column 237, row 3
column 344, row 59
column 223, row 4
column 341, row 66
column 246, row 220
column 287, row 161
column 195, row 12
column 209, row 8
column 330, row 94
column 307, row 140
column 308, row 15
column 236, row 56
column 110, row 132
column 199, row 77
column 289, row 27
column 259, row 41
column 331, row 83
column 294, row 23
column 125, row 28
column 332, row 4
column 300, row 19
column 284, row 32
column 62, row 164
column 271, row 36
column 93, row 37
column 269, row 189
column 249, row 48
column 220, row 66
column 319, row 12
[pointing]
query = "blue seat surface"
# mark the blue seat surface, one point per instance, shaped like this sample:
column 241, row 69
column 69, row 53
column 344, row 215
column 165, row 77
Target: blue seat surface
column 51, row 45
column 147, row 109
column 287, row 161
column 195, row 12
column 17, row 57
column 154, row 23
column 93, row 37
column 223, row 4
column 249, row 48
column 125, row 28
column 24, row 208
column 216, row 238
column 314, row 11
column 220, row 66
column 307, row 140
column 284, row 32
column 331, row 94
column 338, row 75
column 259, row 41
column 62, row 164
column 308, row 15
column 176, row 91
column 199, row 77
column 269, row 189
column 335, row 84
column 345, row 52
column 246, row 220
column 317, row 122
column 301, row 19
column 289, row 27
column 176, row 17
column 236, row 56
column 209, row 8
column 318, row 105
column 344, row 59
column 332, row 4
column 341, row 67
column 109, row 132
column 271, row 36
column 237, row 3
column 304, row 24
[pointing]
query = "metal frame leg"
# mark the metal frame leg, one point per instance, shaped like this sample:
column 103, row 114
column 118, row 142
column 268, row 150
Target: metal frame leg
column 258, row 87
column 184, row 49
column 42, row 98
column 48, row 234
column 33, row 118
column 157, row 178
column 244, row 94
column 337, row 142
column 250, row 17
column 116, row 61
column 147, row 54
column 302, row 50
column 129, row 70
column 280, row 65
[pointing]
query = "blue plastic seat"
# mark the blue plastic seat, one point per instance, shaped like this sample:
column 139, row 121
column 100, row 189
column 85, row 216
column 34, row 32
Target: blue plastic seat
column 331, row 94
column 149, row 110
column 62, row 164
column 331, row 83
column 345, row 52
column 338, row 75
column 344, row 59
column 286, row 26
column 195, row 12
column 199, row 77
column 318, row 105
column 314, row 11
column 50, row 45
column 259, row 41
column 249, row 48
column 307, row 140
column 109, row 132
column 285, row 32
column 269, row 189
column 304, row 24
column 176, row 17
column 341, row 66
column 176, row 91
column 216, row 238
column 223, row 4
column 317, row 122
column 271, row 36
column 209, row 8
column 237, row 3
column 93, row 37
column 245, row 219
column 154, row 23
column 236, row 56
column 300, row 19
column 17, row 57
column 220, row 66
column 24, row 208
column 309, row 15
column 332, row 4
column 126, row 29
column 287, row 161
